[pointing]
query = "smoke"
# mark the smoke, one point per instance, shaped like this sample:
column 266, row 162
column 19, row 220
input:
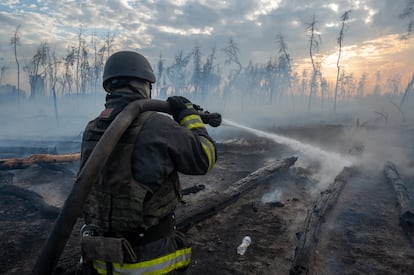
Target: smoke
column 381, row 145
column 274, row 196
column 35, row 118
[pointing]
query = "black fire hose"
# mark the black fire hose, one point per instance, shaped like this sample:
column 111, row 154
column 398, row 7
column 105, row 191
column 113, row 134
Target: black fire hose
column 73, row 205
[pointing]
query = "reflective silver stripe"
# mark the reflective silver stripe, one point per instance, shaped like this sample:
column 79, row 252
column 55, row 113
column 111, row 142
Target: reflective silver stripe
column 161, row 265
column 210, row 151
column 192, row 121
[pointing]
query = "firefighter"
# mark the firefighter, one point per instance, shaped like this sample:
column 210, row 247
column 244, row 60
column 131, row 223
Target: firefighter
column 129, row 213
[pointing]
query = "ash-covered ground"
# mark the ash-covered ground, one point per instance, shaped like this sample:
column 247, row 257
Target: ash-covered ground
column 361, row 234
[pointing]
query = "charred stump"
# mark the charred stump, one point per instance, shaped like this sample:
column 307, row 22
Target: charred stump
column 187, row 216
column 403, row 198
column 308, row 238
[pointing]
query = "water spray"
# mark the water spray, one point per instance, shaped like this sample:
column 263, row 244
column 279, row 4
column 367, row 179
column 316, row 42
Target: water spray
column 332, row 162
column 306, row 149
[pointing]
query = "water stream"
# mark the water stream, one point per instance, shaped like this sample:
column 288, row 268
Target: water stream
column 331, row 163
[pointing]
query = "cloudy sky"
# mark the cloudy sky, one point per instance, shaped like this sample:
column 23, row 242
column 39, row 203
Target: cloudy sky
column 372, row 39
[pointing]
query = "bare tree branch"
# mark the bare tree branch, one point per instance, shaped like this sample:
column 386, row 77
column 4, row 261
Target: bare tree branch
column 344, row 18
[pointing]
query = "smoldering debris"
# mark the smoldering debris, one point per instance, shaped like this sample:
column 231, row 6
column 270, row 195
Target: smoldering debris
column 274, row 198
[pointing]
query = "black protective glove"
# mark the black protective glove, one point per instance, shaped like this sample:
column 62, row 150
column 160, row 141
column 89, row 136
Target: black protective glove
column 180, row 107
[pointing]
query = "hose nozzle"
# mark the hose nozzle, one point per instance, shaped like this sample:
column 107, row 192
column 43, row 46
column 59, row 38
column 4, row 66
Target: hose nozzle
column 212, row 119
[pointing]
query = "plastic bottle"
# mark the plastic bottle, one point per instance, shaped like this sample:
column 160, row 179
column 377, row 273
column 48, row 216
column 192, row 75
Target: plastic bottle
column 241, row 249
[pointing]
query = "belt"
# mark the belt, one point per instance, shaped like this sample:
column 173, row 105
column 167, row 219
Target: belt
column 164, row 228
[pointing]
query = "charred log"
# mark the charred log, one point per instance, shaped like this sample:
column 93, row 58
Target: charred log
column 308, row 238
column 19, row 151
column 207, row 207
column 21, row 163
column 46, row 210
column 403, row 198
column 193, row 189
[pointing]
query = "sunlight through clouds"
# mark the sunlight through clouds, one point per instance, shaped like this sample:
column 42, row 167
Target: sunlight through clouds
column 333, row 7
column 205, row 31
column 263, row 8
column 126, row 4
column 168, row 26
column 368, row 57
column 370, row 15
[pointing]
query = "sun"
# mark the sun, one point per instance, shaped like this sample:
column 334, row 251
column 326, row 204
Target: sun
column 388, row 55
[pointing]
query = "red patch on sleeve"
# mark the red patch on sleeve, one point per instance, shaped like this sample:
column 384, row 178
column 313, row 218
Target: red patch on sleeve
column 106, row 113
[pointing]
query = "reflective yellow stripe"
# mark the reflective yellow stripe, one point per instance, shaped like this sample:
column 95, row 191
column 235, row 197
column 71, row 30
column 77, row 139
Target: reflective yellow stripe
column 100, row 267
column 161, row 265
column 210, row 151
column 194, row 125
column 192, row 121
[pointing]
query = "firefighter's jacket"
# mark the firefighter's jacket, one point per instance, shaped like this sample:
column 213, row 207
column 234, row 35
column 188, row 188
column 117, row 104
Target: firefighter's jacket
column 143, row 166
column 139, row 184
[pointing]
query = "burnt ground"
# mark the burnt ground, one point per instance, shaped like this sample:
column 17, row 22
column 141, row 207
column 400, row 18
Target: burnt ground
column 361, row 234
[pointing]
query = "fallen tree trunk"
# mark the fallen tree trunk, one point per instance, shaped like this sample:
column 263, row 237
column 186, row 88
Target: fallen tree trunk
column 189, row 215
column 403, row 198
column 20, row 151
column 21, row 163
column 308, row 238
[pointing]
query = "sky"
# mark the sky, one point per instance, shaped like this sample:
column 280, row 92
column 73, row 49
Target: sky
column 371, row 42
